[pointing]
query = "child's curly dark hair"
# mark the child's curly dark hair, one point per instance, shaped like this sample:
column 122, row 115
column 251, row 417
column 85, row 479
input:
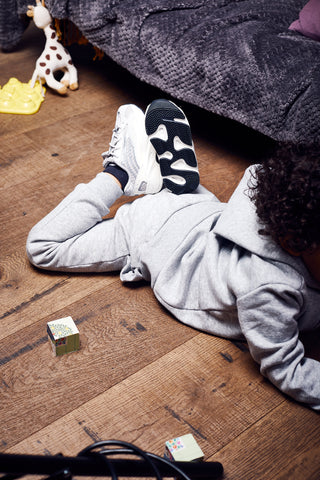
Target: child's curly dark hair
column 286, row 193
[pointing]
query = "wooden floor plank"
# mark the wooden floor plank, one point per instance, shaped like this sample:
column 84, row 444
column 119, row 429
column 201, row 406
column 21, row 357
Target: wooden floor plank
column 28, row 296
column 122, row 330
column 152, row 406
column 179, row 393
column 284, row 444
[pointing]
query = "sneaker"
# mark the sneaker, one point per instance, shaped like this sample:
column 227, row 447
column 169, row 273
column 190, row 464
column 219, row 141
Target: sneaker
column 169, row 132
column 131, row 150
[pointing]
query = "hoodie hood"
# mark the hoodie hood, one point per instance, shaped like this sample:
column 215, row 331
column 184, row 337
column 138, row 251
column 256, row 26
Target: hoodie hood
column 240, row 224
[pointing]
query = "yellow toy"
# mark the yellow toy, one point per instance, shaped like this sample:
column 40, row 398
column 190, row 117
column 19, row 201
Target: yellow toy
column 54, row 56
column 18, row 97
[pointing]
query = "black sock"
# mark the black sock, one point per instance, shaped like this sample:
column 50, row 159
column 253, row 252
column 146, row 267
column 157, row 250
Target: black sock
column 119, row 173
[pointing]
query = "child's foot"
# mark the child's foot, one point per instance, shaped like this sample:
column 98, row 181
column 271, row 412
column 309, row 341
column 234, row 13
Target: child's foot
column 131, row 150
column 169, row 132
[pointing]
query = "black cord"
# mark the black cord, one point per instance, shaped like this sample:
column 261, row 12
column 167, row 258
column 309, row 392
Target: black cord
column 170, row 464
column 97, row 458
column 152, row 456
column 60, row 475
column 123, row 448
column 109, row 464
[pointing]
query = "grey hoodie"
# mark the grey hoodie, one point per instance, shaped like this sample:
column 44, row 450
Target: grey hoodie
column 227, row 279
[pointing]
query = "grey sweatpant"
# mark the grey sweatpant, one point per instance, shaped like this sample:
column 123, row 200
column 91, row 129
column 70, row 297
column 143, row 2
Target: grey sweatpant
column 137, row 241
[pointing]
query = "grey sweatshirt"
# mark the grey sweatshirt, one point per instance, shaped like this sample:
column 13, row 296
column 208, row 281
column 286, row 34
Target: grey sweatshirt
column 227, row 279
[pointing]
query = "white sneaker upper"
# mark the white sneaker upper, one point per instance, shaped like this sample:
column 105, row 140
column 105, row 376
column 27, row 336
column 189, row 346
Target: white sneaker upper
column 131, row 150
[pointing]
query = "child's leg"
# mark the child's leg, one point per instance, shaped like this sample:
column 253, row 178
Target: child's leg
column 74, row 237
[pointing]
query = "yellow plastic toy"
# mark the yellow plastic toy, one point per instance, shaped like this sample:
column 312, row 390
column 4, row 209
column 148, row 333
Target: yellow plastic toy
column 20, row 98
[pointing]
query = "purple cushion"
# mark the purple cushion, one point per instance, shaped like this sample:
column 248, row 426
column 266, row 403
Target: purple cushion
column 309, row 20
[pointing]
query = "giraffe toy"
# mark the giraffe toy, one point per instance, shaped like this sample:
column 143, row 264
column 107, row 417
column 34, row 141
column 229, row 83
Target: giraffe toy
column 54, row 56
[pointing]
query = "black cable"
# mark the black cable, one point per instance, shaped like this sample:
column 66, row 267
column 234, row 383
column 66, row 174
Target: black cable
column 60, row 475
column 88, row 451
column 170, row 464
column 109, row 464
column 95, row 460
column 152, row 456
column 127, row 448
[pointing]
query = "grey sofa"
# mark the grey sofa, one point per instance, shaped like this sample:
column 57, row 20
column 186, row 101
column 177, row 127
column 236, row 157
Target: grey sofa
column 236, row 58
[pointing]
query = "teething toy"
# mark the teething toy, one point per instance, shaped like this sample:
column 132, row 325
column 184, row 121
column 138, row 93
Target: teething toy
column 18, row 97
column 54, row 56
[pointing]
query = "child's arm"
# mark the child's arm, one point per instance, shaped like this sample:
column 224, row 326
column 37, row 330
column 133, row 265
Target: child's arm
column 269, row 320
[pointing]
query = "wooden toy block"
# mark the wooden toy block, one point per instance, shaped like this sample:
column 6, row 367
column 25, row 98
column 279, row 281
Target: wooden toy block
column 63, row 336
column 183, row 449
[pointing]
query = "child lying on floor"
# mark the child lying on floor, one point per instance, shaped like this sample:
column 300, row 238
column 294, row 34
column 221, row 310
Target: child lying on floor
column 248, row 269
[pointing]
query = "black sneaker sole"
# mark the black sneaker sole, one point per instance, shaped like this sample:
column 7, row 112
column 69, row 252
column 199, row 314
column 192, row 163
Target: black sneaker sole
column 164, row 112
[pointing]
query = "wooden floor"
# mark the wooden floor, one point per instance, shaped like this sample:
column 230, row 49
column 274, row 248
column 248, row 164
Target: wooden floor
column 140, row 375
